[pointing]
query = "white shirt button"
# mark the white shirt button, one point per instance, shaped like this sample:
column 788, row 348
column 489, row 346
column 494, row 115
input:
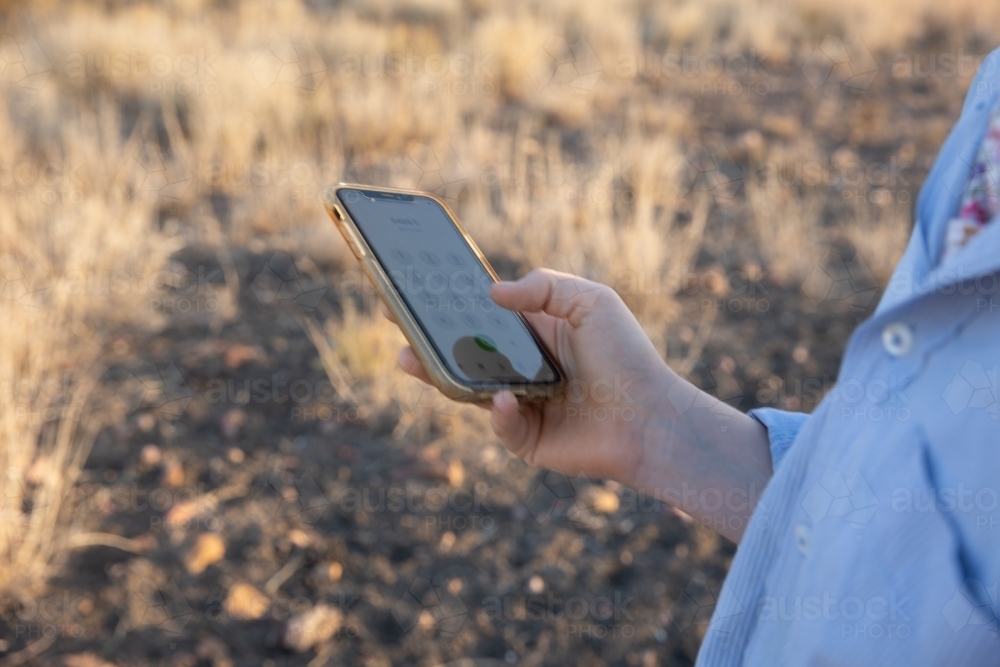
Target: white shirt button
column 897, row 339
column 802, row 535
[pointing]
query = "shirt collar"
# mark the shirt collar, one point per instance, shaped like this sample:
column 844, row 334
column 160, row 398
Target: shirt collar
column 918, row 272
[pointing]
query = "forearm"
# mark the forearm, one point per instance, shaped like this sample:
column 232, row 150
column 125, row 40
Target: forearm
column 702, row 457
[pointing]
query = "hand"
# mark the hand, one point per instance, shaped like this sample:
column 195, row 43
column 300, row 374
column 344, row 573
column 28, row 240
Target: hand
column 625, row 414
column 615, row 378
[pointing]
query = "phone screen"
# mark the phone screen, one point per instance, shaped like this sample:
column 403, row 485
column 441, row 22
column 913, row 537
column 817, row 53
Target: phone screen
column 447, row 289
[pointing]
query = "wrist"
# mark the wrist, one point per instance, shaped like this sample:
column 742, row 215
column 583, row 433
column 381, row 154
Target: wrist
column 652, row 435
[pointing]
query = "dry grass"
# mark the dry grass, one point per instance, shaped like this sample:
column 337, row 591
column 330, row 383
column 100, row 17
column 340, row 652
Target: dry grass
column 879, row 234
column 240, row 113
column 358, row 352
column 78, row 256
column 787, row 227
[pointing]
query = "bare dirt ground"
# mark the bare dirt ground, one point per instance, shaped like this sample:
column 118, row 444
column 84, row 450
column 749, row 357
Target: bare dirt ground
column 256, row 498
column 431, row 548
column 432, row 545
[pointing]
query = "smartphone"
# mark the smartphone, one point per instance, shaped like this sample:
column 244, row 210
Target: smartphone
column 435, row 282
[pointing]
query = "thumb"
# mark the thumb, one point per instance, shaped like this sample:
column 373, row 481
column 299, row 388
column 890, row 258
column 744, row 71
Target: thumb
column 558, row 294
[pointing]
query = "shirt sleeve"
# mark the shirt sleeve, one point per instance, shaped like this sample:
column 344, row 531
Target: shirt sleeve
column 782, row 428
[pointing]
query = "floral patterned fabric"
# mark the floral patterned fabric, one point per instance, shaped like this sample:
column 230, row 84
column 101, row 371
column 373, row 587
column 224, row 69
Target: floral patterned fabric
column 981, row 201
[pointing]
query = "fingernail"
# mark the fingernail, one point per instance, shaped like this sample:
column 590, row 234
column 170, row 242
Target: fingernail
column 505, row 396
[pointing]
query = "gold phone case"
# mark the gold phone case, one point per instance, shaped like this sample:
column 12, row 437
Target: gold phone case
column 450, row 385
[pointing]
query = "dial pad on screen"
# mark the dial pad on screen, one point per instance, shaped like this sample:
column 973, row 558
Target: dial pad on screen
column 447, row 288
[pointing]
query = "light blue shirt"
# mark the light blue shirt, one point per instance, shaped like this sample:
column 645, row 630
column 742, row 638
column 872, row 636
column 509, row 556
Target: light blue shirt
column 877, row 541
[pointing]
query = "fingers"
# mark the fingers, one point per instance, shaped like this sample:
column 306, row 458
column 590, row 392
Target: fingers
column 558, row 294
column 388, row 314
column 513, row 424
column 508, row 421
column 408, row 361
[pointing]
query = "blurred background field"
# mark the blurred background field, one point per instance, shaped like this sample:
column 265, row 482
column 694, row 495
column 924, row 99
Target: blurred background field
column 207, row 455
